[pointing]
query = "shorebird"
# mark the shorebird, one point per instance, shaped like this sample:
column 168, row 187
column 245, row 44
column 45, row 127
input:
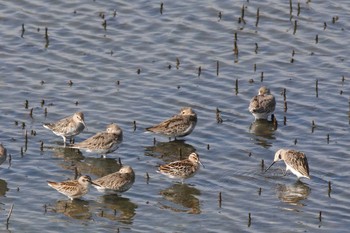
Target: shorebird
column 116, row 182
column 73, row 189
column 103, row 142
column 263, row 104
column 67, row 127
column 179, row 125
column 295, row 161
column 181, row 169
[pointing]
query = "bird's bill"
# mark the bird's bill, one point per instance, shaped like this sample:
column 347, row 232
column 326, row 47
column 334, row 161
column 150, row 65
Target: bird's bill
column 93, row 183
column 201, row 163
column 83, row 122
column 270, row 166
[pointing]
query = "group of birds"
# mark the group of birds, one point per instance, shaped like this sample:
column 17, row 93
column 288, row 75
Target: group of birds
column 101, row 143
column 179, row 125
column 109, row 140
column 263, row 105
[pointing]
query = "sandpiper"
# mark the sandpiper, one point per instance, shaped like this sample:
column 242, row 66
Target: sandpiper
column 73, row 188
column 116, row 182
column 103, row 142
column 263, row 104
column 67, row 127
column 3, row 154
column 295, row 161
column 181, row 169
column 179, row 125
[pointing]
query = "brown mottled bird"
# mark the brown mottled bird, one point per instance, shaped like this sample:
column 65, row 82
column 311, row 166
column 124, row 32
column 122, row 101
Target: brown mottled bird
column 67, row 127
column 263, row 104
column 116, row 182
column 181, row 169
column 103, row 142
column 73, row 188
column 179, row 125
column 295, row 161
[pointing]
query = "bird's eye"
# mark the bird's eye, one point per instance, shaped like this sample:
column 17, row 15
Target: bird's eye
column 279, row 156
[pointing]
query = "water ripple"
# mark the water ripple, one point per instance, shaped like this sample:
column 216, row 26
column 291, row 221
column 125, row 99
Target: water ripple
column 118, row 62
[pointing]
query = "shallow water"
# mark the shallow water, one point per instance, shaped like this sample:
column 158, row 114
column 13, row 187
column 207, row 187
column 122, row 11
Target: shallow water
column 102, row 66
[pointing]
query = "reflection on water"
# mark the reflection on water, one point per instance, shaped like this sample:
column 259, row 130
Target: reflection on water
column 97, row 166
column 170, row 151
column 74, row 160
column 264, row 131
column 143, row 64
column 118, row 208
column 77, row 209
column 181, row 198
column 293, row 194
column 68, row 154
column 112, row 207
column 3, row 187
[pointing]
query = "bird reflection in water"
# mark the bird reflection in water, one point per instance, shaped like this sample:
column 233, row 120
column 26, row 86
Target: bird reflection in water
column 114, row 207
column 3, row 187
column 293, row 194
column 94, row 166
column 264, row 131
column 77, row 209
column 69, row 158
column 181, row 198
column 98, row 166
column 68, row 154
column 170, row 151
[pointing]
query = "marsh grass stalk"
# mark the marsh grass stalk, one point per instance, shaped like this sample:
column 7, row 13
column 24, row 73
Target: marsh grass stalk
column 134, row 126
column 236, row 88
column 217, row 68
column 329, row 188
column 249, row 219
column 177, row 63
column 23, row 30
column 9, row 216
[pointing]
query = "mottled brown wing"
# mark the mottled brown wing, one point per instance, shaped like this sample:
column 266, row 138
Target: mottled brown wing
column 254, row 104
column 59, row 125
column 268, row 103
column 114, row 180
column 168, row 125
column 298, row 161
column 66, row 187
column 260, row 104
column 101, row 140
column 175, row 167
